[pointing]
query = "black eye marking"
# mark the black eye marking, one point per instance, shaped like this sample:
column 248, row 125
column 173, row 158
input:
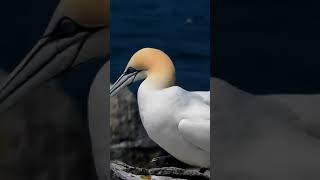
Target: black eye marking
column 66, row 27
column 130, row 70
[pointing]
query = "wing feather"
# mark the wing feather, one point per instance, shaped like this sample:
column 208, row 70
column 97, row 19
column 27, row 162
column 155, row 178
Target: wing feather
column 197, row 132
column 205, row 95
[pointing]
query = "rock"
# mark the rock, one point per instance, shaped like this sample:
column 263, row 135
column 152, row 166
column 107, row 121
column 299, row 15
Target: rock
column 122, row 171
column 129, row 140
column 125, row 121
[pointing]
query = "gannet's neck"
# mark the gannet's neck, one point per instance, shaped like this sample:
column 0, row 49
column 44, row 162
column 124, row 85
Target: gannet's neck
column 159, row 69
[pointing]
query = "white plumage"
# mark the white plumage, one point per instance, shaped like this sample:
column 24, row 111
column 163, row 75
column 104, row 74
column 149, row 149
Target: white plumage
column 176, row 119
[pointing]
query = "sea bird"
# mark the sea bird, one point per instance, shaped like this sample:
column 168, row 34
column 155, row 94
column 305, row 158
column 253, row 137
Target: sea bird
column 272, row 136
column 176, row 119
column 78, row 32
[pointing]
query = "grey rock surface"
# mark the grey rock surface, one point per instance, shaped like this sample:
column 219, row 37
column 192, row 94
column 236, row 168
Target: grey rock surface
column 125, row 121
column 122, row 171
column 129, row 140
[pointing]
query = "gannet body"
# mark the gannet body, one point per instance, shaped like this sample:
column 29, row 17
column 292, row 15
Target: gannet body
column 265, row 133
column 300, row 110
column 176, row 119
column 98, row 123
column 78, row 32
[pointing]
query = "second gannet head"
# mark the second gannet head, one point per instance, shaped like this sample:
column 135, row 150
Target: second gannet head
column 77, row 33
column 150, row 64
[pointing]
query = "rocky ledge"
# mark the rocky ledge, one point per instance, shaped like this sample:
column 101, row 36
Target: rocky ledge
column 122, row 171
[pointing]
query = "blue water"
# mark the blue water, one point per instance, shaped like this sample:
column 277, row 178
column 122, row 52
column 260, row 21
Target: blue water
column 179, row 28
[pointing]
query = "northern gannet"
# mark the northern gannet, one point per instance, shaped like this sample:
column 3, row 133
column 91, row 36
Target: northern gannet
column 264, row 136
column 176, row 119
column 78, row 32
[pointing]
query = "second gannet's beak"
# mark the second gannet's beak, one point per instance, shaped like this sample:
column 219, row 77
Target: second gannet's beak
column 77, row 32
column 127, row 78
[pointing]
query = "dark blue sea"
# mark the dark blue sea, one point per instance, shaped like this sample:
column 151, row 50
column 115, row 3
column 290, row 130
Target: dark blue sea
column 179, row 28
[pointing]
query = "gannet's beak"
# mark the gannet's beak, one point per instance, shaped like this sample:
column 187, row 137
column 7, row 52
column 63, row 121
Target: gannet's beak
column 68, row 41
column 46, row 60
column 124, row 80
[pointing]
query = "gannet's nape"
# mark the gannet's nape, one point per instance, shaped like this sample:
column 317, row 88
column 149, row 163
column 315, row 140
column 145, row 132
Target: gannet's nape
column 78, row 32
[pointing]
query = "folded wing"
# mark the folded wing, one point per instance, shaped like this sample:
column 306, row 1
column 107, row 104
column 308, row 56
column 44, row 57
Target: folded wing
column 205, row 95
column 197, row 132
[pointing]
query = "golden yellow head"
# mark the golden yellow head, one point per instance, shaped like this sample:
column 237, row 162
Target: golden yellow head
column 150, row 64
column 157, row 65
column 83, row 16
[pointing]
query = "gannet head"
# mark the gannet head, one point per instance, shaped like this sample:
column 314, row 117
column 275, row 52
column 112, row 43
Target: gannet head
column 150, row 64
column 77, row 32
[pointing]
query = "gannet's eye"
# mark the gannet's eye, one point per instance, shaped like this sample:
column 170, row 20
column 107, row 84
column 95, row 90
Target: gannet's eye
column 130, row 70
column 66, row 28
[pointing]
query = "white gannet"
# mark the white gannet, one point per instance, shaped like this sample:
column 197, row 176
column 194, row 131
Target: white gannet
column 176, row 119
column 265, row 136
column 77, row 32
column 300, row 110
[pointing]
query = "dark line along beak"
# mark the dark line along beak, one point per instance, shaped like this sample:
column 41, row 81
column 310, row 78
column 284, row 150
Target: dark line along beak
column 123, row 81
column 46, row 60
